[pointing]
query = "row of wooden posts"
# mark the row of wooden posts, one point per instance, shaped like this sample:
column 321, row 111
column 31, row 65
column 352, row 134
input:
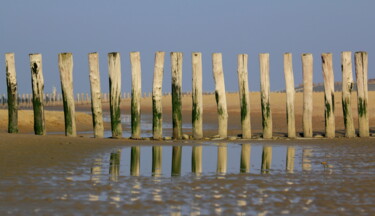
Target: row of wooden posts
column 65, row 62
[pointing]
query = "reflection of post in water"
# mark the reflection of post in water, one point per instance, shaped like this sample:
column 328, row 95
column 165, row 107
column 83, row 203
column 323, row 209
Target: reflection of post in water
column 114, row 165
column 135, row 158
column 96, row 170
column 196, row 160
column 176, row 160
column 306, row 162
column 221, row 159
column 266, row 159
column 156, row 160
column 290, row 159
column 245, row 158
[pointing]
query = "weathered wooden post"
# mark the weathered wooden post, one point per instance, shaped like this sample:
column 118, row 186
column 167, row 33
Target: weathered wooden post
column 176, row 63
column 37, row 83
column 243, row 85
column 196, row 160
column 307, row 69
column 157, row 95
column 266, row 159
column 245, row 158
column 290, row 94
column 264, row 61
column 156, row 160
column 361, row 71
column 114, row 69
column 135, row 159
column 135, row 60
column 221, row 99
column 222, row 159
column 329, row 97
column 66, row 77
column 347, row 86
column 197, row 113
column 96, row 100
column 291, row 151
column 12, row 93
column 176, row 160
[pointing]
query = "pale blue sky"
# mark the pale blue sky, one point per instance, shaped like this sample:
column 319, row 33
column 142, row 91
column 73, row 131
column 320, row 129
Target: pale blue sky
column 230, row 27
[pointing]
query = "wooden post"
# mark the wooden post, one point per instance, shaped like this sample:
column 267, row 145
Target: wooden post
column 12, row 93
column 37, row 83
column 176, row 62
column 222, row 159
column 307, row 68
column 66, row 77
column 114, row 69
column 96, row 100
column 157, row 95
column 329, row 97
column 197, row 113
column 196, row 160
column 291, row 151
column 176, row 160
column 290, row 93
column 361, row 71
column 347, row 86
column 221, row 99
column 245, row 158
column 135, row 158
column 156, row 160
column 264, row 61
column 135, row 60
column 243, row 85
column 266, row 159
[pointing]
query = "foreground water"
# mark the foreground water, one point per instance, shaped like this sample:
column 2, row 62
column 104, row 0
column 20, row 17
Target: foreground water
column 203, row 179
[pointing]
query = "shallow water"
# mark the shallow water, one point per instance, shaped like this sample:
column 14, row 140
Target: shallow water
column 218, row 179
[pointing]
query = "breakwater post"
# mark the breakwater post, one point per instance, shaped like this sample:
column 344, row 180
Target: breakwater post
column 176, row 63
column 197, row 112
column 307, row 69
column 221, row 99
column 96, row 100
column 37, row 83
column 290, row 94
column 329, row 97
column 66, row 77
column 10, row 68
column 361, row 71
column 243, row 87
column 264, row 62
column 114, row 70
column 347, row 86
column 157, row 95
column 135, row 60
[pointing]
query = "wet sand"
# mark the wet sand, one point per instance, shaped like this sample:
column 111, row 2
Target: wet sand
column 35, row 170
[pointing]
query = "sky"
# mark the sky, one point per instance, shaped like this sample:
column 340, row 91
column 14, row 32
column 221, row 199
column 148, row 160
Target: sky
column 231, row 27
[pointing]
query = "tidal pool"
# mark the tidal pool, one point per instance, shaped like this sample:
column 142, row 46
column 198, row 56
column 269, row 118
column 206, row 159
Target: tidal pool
column 201, row 179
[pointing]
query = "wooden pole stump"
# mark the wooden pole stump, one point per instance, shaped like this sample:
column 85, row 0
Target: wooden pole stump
column 135, row 60
column 329, row 97
column 66, row 77
column 114, row 70
column 96, row 100
column 347, row 86
column 12, row 93
column 243, row 85
column 361, row 71
column 221, row 99
column 37, row 83
column 157, row 95
column 307, row 68
column 197, row 113
column 265, row 95
column 290, row 94
column 176, row 63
